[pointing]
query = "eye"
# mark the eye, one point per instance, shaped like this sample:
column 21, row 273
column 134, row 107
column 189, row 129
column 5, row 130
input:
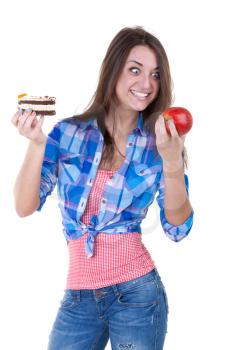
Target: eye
column 156, row 74
column 131, row 69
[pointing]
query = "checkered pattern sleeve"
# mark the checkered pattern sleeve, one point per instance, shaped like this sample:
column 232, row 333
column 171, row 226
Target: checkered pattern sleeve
column 175, row 233
column 49, row 169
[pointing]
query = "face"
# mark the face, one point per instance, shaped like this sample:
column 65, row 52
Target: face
column 138, row 84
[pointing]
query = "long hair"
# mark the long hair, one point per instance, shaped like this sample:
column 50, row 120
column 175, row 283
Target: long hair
column 105, row 99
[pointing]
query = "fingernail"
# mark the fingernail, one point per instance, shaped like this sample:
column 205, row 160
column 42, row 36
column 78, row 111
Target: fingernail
column 20, row 111
column 28, row 110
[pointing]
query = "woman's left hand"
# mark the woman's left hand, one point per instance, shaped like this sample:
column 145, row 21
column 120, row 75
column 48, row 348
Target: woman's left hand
column 169, row 147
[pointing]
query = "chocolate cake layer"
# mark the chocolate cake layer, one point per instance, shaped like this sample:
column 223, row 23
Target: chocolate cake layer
column 45, row 112
column 42, row 112
column 37, row 102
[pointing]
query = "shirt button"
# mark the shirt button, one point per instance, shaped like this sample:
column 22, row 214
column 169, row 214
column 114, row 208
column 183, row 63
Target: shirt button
column 142, row 171
column 103, row 201
column 130, row 143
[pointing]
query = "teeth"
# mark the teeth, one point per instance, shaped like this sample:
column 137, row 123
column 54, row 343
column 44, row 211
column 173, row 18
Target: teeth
column 139, row 94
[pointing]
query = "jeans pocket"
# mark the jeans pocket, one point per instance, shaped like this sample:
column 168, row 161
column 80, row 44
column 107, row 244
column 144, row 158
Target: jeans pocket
column 160, row 285
column 69, row 301
column 145, row 294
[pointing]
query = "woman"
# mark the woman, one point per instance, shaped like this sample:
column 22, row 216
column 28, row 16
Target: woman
column 108, row 164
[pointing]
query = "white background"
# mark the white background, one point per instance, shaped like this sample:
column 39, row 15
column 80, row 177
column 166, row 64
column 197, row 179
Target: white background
column 56, row 48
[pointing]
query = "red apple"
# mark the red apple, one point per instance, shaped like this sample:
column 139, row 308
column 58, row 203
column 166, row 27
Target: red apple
column 182, row 119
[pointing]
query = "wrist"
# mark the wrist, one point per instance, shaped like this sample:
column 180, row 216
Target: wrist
column 40, row 142
column 173, row 166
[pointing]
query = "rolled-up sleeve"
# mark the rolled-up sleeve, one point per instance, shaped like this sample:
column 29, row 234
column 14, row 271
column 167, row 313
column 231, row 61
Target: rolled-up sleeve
column 175, row 233
column 49, row 169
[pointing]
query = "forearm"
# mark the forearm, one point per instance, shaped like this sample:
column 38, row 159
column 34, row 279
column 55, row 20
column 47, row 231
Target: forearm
column 177, row 207
column 27, row 184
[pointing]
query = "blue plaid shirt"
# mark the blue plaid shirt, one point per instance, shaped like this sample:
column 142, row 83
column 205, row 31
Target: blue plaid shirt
column 72, row 155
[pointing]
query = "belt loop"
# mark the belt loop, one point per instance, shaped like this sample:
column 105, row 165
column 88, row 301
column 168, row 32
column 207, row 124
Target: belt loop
column 78, row 295
column 115, row 289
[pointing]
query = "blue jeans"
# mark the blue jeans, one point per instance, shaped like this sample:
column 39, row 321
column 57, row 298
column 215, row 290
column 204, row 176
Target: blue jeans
column 132, row 314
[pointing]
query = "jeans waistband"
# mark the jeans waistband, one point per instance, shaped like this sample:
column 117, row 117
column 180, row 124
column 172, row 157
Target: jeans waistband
column 116, row 288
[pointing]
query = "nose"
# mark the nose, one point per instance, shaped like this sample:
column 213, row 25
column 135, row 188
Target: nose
column 145, row 82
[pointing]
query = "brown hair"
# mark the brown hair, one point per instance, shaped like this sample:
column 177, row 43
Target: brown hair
column 105, row 99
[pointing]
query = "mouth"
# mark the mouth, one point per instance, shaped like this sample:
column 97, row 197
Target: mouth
column 140, row 95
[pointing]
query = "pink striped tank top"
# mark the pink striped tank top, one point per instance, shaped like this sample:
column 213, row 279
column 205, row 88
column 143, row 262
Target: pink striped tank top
column 117, row 258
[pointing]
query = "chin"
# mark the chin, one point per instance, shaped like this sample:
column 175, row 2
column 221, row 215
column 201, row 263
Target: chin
column 140, row 109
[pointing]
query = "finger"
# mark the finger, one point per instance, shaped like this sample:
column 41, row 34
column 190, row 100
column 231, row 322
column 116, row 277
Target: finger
column 16, row 116
column 183, row 137
column 40, row 122
column 34, row 123
column 23, row 118
column 29, row 120
column 157, row 124
column 158, row 131
column 172, row 128
column 162, row 126
column 156, row 128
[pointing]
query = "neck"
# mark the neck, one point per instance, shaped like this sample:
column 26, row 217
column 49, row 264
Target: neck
column 124, row 122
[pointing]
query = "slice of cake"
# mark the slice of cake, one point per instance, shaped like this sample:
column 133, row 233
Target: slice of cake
column 42, row 105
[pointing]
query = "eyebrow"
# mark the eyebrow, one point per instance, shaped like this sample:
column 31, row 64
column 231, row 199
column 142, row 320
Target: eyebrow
column 140, row 64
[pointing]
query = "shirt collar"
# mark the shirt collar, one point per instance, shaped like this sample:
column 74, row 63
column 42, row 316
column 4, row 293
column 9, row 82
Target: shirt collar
column 93, row 122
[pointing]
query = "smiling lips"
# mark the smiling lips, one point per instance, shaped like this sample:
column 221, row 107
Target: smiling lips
column 139, row 95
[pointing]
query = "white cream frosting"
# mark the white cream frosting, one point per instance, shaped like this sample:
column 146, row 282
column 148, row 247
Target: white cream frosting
column 37, row 107
column 35, row 98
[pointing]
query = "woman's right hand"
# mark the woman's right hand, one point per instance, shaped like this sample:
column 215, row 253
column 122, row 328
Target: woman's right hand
column 27, row 124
